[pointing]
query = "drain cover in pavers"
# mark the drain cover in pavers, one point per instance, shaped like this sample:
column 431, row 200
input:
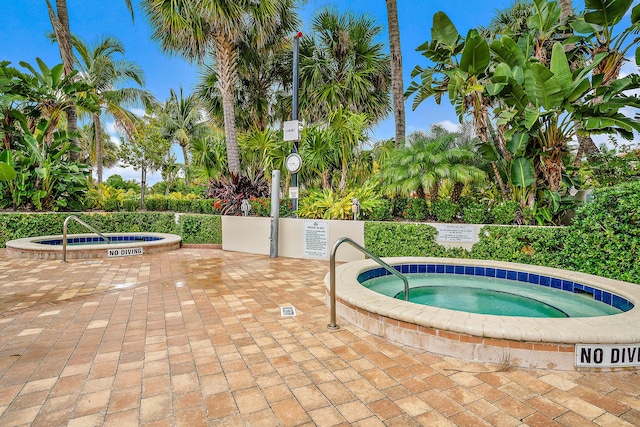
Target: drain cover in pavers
column 288, row 311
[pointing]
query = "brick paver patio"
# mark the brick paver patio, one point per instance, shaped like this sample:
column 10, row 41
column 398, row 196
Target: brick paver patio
column 196, row 337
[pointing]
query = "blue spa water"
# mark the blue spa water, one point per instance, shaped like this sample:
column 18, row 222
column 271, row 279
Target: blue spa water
column 94, row 240
column 485, row 295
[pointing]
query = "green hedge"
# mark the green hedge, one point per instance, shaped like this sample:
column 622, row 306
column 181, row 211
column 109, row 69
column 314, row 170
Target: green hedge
column 605, row 234
column 200, row 228
column 405, row 239
column 526, row 245
column 192, row 228
column 603, row 239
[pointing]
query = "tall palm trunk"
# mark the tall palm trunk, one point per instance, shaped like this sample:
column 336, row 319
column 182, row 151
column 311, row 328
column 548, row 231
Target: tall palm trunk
column 227, row 61
column 60, row 22
column 397, row 86
column 97, row 127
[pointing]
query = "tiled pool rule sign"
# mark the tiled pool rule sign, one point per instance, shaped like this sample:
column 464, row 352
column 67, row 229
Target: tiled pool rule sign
column 118, row 252
column 607, row 355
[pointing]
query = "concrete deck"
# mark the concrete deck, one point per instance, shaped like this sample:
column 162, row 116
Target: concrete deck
column 196, row 337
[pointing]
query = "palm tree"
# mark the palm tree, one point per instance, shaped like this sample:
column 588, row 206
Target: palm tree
column 397, row 86
column 99, row 67
column 87, row 144
column 209, row 156
column 59, row 18
column 321, row 156
column 196, row 29
column 426, row 162
column 343, row 64
column 182, row 120
column 349, row 130
column 263, row 88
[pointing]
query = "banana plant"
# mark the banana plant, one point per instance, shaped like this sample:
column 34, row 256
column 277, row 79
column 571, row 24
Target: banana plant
column 539, row 100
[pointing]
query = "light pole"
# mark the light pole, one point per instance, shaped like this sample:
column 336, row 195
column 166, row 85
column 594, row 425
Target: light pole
column 292, row 130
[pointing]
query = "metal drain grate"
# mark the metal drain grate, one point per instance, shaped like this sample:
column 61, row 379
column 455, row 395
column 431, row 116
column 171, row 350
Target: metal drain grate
column 287, row 311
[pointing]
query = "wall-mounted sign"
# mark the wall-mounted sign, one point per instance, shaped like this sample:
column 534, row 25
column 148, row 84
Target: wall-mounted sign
column 456, row 233
column 607, row 355
column 123, row 252
column 316, row 239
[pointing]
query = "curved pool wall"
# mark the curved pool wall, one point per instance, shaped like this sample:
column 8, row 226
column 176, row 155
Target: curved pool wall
column 548, row 343
column 88, row 246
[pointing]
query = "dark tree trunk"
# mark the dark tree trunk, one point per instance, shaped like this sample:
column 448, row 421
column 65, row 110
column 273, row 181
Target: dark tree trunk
column 60, row 22
column 397, row 86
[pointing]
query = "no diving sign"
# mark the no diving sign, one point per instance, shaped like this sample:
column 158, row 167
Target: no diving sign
column 117, row 252
column 607, row 355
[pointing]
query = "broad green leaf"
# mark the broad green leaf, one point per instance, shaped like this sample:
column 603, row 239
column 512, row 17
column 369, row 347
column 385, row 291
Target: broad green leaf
column 505, row 117
column 507, row 51
column 635, row 14
column 542, row 87
column 495, row 88
column 618, row 122
column 638, row 56
column 475, row 56
column 531, row 116
column 487, row 151
column 518, row 143
column 6, row 157
column 56, row 73
column 606, row 12
column 7, row 173
column 443, row 30
column 560, row 68
column 545, row 15
column 522, row 173
column 580, row 26
column 502, row 73
column 578, row 91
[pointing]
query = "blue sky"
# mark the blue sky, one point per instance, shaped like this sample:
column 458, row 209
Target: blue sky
column 25, row 23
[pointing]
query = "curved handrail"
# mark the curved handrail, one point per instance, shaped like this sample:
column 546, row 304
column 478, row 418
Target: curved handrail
column 332, row 275
column 64, row 234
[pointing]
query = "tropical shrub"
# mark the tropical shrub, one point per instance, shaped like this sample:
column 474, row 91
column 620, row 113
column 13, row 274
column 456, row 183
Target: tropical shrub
column 233, row 189
column 130, row 205
column 443, row 210
column 475, row 213
column 505, row 212
column 416, row 209
column 155, row 202
column 328, row 204
column 383, row 212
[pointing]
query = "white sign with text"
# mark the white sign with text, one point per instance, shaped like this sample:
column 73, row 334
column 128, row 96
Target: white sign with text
column 123, row 252
column 456, row 233
column 316, row 239
column 607, row 355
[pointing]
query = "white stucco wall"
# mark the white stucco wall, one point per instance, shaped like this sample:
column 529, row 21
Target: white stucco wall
column 251, row 235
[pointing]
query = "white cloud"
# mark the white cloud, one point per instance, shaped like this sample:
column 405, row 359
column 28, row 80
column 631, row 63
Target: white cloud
column 110, row 128
column 449, row 125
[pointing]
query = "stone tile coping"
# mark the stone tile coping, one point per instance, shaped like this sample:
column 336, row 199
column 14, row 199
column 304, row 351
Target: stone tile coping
column 623, row 328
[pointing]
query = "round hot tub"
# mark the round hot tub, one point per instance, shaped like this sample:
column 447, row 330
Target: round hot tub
column 88, row 246
column 593, row 341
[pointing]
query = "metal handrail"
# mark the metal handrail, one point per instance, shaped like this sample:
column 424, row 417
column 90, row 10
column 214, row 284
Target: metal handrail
column 64, row 234
column 332, row 275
